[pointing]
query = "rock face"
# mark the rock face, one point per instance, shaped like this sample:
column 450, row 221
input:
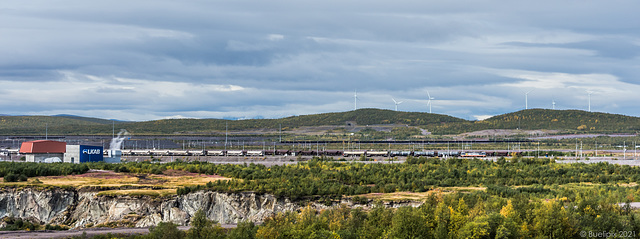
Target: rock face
column 80, row 209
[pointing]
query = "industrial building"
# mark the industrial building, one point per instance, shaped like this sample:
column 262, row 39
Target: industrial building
column 48, row 151
column 113, row 156
column 83, row 154
column 43, row 151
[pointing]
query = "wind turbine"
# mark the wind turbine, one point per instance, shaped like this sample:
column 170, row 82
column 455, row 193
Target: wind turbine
column 429, row 101
column 355, row 99
column 396, row 103
column 553, row 104
column 589, row 93
column 526, row 100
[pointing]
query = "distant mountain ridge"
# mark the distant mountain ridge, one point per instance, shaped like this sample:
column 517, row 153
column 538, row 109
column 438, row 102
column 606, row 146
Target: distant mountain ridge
column 90, row 119
column 532, row 119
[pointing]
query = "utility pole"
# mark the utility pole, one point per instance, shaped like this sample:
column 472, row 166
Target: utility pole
column 226, row 134
column 581, row 155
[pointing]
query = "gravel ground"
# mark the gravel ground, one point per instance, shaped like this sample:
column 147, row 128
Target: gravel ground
column 88, row 231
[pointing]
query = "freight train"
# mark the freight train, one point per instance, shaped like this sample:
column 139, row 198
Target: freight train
column 345, row 153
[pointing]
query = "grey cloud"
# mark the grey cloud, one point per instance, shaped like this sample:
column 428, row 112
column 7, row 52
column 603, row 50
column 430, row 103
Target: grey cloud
column 606, row 47
column 327, row 50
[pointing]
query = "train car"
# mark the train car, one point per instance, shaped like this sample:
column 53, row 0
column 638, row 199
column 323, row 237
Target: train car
column 124, row 152
column 159, row 152
column 399, row 153
column 139, row 152
column 333, row 152
column 354, row 153
column 178, row 153
column 284, row 152
column 235, row 153
column 197, row 152
column 473, row 154
column 307, row 153
column 377, row 154
column 498, row 153
column 216, row 152
column 425, row 153
column 254, row 153
column 269, row 152
column 448, row 154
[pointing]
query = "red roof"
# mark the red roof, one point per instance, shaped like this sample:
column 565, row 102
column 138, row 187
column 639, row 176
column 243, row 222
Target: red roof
column 43, row 146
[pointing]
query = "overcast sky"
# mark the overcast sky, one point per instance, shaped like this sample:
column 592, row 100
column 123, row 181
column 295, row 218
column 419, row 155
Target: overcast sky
column 147, row 60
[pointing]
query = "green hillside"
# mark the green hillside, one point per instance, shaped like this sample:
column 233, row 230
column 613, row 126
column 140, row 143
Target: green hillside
column 361, row 117
column 564, row 120
column 38, row 124
column 575, row 121
column 89, row 119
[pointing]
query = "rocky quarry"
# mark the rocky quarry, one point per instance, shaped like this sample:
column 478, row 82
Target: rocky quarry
column 78, row 209
column 86, row 209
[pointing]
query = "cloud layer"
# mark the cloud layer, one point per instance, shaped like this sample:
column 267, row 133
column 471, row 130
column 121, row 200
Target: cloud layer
column 146, row 60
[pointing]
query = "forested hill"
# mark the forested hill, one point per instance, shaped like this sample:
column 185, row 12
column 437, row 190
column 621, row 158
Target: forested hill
column 360, row 117
column 566, row 120
column 14, row 125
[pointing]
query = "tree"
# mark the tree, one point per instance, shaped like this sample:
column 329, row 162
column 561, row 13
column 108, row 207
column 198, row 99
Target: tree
column 165, row 230
column 245, row 230
column 443, row 219
column 202, row 227
column 377, row 222
column 553, row 221
column 478, row 228
column 409, row 223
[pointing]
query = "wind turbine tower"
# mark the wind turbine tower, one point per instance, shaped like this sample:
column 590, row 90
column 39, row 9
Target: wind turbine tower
column 429, row 101
column 396, row 103
column 553, row 104
column 526, row 100
column 589, row 93
column 355, row 99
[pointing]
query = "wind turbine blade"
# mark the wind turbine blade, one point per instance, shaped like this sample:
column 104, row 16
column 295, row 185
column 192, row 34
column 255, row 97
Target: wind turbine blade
column 428, row 94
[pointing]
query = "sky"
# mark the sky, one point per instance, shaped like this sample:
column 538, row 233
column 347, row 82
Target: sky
column 237, row 59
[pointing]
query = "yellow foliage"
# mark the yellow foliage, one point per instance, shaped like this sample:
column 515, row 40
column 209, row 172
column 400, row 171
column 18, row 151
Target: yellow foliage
column 507, row 210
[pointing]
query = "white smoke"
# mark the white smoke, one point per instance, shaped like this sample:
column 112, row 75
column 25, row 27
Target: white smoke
column 116, row 143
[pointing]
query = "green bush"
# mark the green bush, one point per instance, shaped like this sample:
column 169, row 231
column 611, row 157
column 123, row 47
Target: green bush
column 17, row 224
column 10, row 178
column 56, row 227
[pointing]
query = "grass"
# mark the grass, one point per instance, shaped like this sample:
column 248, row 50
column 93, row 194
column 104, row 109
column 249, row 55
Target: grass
column 139, row 192
column 112, row 184
column 414, row 196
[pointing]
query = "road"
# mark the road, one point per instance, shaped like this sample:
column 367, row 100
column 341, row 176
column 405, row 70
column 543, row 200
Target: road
column 89, row 232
